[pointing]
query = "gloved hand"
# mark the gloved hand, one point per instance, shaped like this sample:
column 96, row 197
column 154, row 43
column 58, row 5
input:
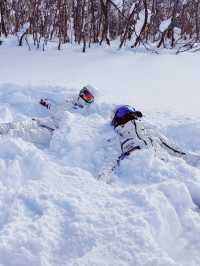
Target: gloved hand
column 139, row 114
column 45, row 103
column 135, row 115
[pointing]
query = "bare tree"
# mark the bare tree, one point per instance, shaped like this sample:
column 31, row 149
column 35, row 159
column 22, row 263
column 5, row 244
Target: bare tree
column 96, row 21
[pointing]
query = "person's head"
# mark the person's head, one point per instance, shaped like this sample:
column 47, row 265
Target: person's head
column 85, row 96
column 124, row 114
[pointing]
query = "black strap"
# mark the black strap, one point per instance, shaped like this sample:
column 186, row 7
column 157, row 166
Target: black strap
column 49, row 128
column 133, row 121
column 124, row 154
column 125, row 142
column 171, row 148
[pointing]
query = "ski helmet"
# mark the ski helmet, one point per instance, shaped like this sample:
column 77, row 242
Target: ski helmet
column 123, row 114
column 86, row 95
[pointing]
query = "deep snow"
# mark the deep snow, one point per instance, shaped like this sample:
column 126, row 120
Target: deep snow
column 53, row 209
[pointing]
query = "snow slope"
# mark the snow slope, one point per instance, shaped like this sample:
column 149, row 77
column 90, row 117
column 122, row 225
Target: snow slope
column 162, row 82
column 53, row 209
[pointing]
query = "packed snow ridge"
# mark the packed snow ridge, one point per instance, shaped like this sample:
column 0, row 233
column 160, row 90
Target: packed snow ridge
column 55, row 212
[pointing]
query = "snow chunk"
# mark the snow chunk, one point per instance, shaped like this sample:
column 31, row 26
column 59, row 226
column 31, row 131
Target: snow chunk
column 165, row 24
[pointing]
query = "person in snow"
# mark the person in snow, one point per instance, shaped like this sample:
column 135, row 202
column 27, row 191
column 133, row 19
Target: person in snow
column 82, row 101
column 41, row 130
column 134, row 134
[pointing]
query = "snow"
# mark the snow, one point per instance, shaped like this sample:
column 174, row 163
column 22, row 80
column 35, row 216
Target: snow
column 54, row 211
column 141, row 20
column 165, row 24
column 160, row 78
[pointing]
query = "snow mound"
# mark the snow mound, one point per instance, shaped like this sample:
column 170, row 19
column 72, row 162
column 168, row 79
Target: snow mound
column 55, row 212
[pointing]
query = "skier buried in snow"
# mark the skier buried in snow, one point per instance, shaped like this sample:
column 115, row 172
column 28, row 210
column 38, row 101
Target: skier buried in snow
column 134, row 135
column 41, row 130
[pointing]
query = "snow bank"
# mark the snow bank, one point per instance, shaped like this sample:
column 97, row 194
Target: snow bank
column 55, row 212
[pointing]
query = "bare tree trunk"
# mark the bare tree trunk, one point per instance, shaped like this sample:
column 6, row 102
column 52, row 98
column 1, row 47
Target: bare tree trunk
column 139, row 37
column 105, row 8
column 197, row 20
column 22, row 37
column 2, row 12
column 128, row 24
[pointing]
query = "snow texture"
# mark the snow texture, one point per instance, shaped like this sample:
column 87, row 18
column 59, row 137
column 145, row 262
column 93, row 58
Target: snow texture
column 54, row 211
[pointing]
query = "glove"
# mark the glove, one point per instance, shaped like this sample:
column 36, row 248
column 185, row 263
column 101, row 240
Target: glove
column 135, row 115
column 138, row 114
column 44, row 102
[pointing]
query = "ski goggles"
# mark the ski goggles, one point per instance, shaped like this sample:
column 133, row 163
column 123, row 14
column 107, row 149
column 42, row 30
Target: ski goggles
column 86, row 95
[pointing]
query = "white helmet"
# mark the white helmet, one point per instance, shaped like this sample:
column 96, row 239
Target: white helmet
column 85, row 96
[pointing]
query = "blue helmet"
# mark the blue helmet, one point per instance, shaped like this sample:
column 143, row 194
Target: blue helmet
column 125, row 113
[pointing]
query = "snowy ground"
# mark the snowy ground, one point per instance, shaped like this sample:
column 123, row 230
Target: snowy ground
column 53, row 210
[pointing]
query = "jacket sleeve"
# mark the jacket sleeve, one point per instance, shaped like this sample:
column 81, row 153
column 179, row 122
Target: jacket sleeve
column 142, row 132
column 159, row 140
